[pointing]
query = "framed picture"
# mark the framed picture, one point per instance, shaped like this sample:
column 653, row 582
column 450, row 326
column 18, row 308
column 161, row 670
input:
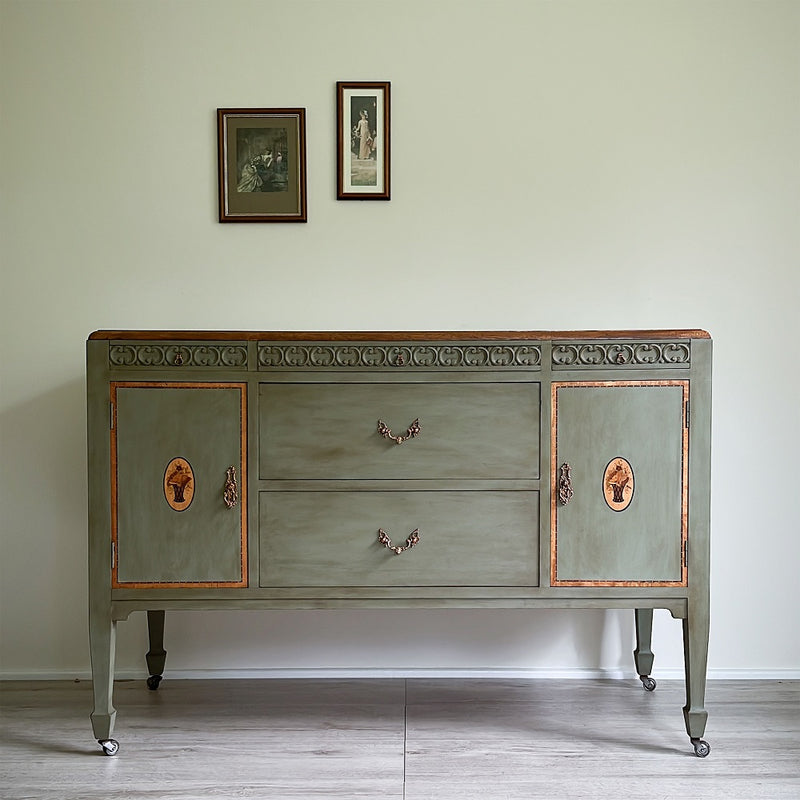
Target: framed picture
column 262, row 164
column 362, row 140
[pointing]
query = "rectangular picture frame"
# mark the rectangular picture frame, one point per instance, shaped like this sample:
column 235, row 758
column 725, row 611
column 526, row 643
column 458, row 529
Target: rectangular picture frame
column 262, row 164
column 363, row 140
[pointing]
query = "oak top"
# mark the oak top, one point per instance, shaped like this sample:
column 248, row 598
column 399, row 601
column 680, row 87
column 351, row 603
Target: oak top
column 389, row 336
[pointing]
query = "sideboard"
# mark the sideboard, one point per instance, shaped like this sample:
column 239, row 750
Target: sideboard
column 274, row 470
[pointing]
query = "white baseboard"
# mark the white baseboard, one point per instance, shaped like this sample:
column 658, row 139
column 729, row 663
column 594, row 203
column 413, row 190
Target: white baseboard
column 411, row 673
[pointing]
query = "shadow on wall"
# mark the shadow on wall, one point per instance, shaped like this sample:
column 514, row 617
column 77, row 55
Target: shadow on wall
column 43, row 536
column 402, row 641
column 44, row 438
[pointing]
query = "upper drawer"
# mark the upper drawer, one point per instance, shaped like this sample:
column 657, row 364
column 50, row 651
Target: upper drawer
column 466, row 430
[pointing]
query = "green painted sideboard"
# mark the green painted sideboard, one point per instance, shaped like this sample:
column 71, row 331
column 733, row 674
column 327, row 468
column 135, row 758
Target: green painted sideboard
column 269, row 470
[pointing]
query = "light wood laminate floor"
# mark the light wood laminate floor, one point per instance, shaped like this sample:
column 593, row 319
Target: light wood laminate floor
column 400, row 739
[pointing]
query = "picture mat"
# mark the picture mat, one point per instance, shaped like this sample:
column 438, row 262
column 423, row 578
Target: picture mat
column 380, row 136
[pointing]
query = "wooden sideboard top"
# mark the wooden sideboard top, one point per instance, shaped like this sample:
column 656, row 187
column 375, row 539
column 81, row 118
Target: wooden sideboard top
column 388, row 336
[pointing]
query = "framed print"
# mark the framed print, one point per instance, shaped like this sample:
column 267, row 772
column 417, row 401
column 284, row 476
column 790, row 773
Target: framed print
column 362, row 140
column 262, row 164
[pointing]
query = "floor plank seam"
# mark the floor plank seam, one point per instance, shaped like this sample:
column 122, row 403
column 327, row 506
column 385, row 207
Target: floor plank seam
column 405, row 734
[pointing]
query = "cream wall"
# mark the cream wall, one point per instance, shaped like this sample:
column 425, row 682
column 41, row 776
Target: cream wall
column 572, row 164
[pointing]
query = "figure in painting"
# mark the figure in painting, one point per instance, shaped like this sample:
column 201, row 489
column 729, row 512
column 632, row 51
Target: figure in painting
column 251, row 179
column 262, row 159
column 362, row 133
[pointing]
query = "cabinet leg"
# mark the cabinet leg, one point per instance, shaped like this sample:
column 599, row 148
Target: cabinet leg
column 102, row 644
column 643, row 655
column 695, row 656
column 156, row 656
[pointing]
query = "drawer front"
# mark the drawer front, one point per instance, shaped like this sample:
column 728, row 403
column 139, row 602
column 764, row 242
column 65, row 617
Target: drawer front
column 466, row 538
column 467, row 430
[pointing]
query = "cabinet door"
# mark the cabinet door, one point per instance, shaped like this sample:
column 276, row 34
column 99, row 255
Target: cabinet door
column 619, row 483
column 179, row 513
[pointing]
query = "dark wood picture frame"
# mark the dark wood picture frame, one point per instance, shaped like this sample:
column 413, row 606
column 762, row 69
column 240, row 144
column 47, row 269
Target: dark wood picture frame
column 262, row 164
column 363, row 140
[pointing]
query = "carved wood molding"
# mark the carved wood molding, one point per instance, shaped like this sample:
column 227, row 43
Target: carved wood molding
column 566, row 355
column 415, row 356
column 233, row 356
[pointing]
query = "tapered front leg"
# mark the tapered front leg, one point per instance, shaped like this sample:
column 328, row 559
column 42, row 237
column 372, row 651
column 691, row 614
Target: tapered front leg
column 695, row 656
column 102, row 644
column 157, row 656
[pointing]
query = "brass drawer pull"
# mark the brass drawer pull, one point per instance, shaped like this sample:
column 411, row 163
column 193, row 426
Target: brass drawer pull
column 565, row 484
column 413, row 430
column 384, row 539
column 230, row 495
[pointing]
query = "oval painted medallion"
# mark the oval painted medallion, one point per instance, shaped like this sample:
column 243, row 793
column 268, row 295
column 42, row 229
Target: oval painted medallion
column 179, row 484
column 618, row 484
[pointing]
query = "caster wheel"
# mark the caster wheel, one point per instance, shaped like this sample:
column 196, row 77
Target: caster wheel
column 648, row 683
column 701, row 747
column 153, row 681
column 110, row 746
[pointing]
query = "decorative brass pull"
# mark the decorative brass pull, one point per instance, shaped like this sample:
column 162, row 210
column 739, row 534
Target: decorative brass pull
column 230, row 495
column 384, row 539
column 565, row 484
column 413, row 430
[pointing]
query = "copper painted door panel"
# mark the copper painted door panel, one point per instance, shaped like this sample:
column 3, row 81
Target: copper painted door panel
column 622, row 446
column 172, row 445
column 467, row 430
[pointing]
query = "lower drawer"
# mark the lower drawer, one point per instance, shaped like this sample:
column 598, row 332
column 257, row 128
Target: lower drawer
column 466, row 538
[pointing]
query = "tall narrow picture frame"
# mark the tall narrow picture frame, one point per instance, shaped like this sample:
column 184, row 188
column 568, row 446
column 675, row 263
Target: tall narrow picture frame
column 262, row 164
column 363, row 140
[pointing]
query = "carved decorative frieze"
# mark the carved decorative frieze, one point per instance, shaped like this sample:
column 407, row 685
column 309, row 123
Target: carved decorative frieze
column 416, row 356
column 621, row 354
column 178, row 355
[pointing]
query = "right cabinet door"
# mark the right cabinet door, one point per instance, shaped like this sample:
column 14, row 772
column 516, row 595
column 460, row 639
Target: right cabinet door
column 619, row 487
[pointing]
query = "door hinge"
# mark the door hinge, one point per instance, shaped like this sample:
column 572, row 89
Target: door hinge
column 111, row 416
column 113, row 554
column 685, row 553
column 686, row 413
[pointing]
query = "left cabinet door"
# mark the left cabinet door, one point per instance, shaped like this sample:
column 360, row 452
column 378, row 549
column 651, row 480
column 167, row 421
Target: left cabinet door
column 179, row 484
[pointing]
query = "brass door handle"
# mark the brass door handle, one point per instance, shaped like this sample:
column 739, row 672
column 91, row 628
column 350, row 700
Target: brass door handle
column 230, row 495
column 565, row 484
column 412, row 540
column 413, row 430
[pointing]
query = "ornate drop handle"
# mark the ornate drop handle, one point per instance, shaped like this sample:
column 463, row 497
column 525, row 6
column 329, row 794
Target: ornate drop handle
column 565, row 484
column 230, row 495
column 384, row 539
column 413, row 430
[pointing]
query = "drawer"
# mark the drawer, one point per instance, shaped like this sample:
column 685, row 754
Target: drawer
column 466, row 538
column 467, row 430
